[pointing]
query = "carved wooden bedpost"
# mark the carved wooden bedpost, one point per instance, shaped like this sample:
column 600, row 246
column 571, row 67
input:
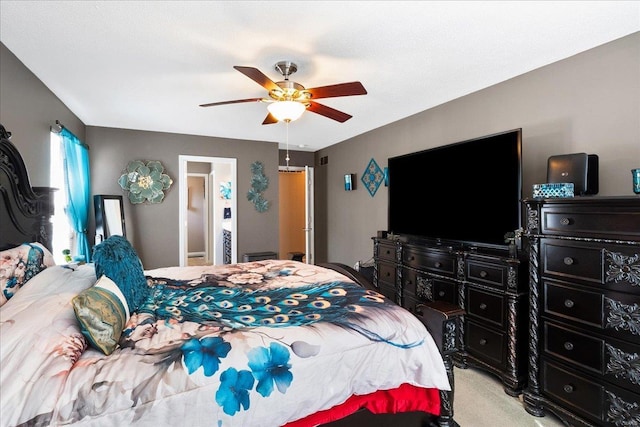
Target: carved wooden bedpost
column 25, row 210
column 443, row 320
column 533, row 385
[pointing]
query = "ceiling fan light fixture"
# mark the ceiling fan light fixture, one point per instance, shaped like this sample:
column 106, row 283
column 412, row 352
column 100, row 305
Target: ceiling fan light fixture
column 286, row 111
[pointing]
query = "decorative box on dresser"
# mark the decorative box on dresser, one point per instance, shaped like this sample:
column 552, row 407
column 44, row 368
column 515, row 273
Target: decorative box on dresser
column 487, row 283
column 584, row 357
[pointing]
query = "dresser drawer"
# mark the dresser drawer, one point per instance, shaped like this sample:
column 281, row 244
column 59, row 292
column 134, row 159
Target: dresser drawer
column 614, row 222
column 615, row 314
column 602, row 404
column 609, row 359
column 485, row 343
column 386, row 251
column 494, row 275
column 437, row 262
column 486, row 306
column 577, row 349
column 387, row 273
column 427, row 288
column 617, row 267
column 583, row 395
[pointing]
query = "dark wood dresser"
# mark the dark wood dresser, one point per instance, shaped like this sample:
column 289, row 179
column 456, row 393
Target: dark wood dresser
column 488, row 284
column 584, row 356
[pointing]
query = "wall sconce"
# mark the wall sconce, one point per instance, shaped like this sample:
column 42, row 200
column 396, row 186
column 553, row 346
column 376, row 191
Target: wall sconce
column 349, row 182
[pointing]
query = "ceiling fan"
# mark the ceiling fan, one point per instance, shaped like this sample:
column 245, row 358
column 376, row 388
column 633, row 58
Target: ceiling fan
column 288, row 99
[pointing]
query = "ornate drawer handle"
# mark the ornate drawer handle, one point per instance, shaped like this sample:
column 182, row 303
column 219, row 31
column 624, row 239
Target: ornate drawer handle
column 568, row 388
column 568, row 303
column 565, row 221
column 483, row 306
column 441, row 293
column 483, row 274
column 483, row 341
column 568, row 260
column 438, row 264
column 568, row 346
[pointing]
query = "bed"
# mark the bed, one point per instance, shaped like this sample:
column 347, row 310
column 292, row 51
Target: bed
column 264, row 343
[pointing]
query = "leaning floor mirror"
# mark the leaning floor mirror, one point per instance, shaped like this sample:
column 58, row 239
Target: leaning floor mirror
column 109, row 216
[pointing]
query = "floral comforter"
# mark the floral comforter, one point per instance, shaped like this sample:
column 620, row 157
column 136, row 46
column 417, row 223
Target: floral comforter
column 254, row 344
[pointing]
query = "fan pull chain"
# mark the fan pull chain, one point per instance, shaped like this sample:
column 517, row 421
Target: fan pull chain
column 287, row 158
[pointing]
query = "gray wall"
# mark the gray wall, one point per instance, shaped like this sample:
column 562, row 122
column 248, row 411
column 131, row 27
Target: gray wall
column 27, row 110
column 587, row 103
column 153, row 229
column 296, row 158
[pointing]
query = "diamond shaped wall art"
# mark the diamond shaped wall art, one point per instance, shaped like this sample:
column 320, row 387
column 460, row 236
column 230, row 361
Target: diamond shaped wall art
column 372, row 177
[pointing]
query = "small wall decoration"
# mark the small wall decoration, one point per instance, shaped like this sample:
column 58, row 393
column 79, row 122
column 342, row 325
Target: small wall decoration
column 259, row 183
column 145, row 182
column 349, row 180
column 372, row 177
column 225, row 190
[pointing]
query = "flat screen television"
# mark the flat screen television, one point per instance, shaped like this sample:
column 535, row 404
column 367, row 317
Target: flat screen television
column 468, row 192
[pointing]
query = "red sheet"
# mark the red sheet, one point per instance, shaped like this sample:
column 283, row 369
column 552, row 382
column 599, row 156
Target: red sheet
column 406, row 398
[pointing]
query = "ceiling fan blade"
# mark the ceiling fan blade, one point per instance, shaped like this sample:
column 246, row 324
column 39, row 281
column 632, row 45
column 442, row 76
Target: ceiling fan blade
column 258, row 77
column 329, row 112
column 341, row 89
column 269, row 120
column 237, row 101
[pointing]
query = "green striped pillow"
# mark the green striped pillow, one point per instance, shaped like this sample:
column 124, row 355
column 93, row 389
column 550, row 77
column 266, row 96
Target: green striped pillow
column 102, row 312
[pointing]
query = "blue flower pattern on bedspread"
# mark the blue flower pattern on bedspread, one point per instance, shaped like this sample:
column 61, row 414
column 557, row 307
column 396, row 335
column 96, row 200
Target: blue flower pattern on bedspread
column 269, row 366
column 205, row 352
column 234, row 390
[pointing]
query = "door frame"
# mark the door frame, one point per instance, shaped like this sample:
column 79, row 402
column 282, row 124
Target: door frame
column 309, row 210
column 183, row 194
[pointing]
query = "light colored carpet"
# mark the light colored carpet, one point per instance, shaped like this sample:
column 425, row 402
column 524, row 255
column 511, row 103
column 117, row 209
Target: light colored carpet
column 480, row 401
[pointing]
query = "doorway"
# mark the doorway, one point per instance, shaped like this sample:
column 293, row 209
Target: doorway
column 198, row 247
column 296, row 207
column 218, row 220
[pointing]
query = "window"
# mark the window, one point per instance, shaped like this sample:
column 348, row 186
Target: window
column 62, row 234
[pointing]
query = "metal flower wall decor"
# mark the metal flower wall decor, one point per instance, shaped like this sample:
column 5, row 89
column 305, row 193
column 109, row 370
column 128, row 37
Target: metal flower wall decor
column 145, row 182
column 259, row 183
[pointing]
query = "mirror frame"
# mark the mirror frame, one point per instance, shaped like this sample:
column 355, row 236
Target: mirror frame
column 102, row 227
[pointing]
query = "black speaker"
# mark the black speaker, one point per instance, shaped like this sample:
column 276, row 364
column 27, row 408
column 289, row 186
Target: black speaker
column 579, row 168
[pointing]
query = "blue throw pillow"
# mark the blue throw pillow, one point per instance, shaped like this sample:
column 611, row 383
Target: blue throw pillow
column 116, row 259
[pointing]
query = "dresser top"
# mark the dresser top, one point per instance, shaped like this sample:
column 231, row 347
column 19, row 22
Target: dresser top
column 588, row 200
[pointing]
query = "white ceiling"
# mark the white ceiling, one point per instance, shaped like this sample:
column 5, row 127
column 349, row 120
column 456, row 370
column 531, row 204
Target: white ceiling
column 147, row 65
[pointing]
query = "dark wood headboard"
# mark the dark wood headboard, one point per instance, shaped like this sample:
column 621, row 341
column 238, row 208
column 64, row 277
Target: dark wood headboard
column 25, row 211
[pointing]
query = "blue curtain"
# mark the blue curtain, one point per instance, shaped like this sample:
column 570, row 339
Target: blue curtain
column 78, row 189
